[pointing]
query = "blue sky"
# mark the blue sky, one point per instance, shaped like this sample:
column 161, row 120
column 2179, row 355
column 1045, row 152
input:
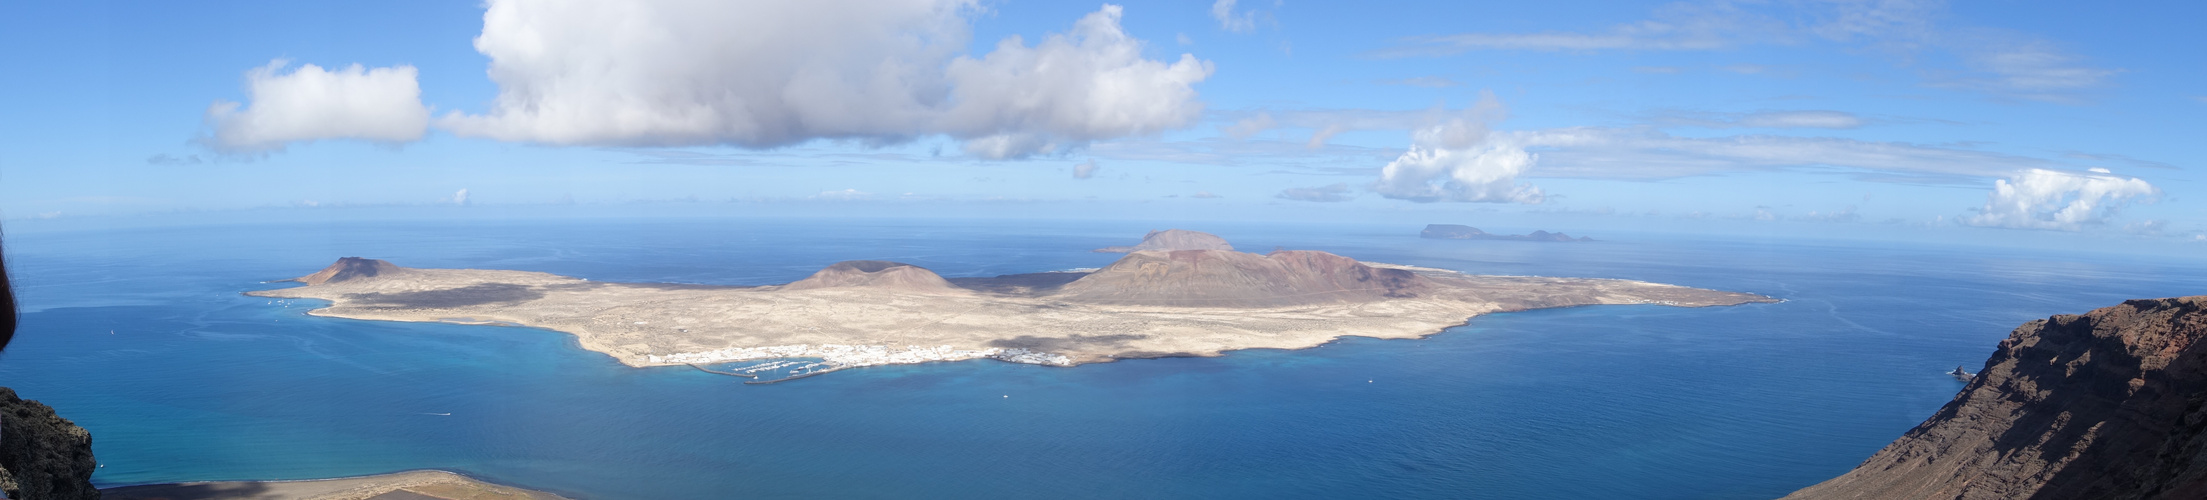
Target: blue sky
column 1860, row 117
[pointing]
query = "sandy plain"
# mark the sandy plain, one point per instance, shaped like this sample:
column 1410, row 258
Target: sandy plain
column 409, row 485
column 886, row 314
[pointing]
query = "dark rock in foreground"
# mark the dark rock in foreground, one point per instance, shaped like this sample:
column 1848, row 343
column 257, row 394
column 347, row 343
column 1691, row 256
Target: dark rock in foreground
column 1463, row 232
column 2110, row 404
column 43, row 456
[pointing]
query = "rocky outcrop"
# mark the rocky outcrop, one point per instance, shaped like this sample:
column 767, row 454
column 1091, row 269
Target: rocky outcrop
column 349, row 268
column 1173, row 239
column 1463, row 232
column 2107, row 405
column 877, row 274
column 1226, row 278
column 42, row 455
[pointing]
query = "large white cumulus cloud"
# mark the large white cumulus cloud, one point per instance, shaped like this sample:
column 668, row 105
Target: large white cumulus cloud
column 766, row 74
column 311, row 103
column 2049, row 199
column 1461, row 160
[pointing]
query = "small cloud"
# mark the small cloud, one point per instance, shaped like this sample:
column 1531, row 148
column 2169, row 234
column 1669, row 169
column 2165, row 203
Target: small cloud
column 1204, row 195
column 1183, row 39
column 458, row 197
column 1318, row 139
column 2067, row 201
column 166, row 159
column 2098, row 170
column 1657, row 70
column 1085, row 169
column 1250, row 126
column 1459, row 160
column 1242, row 22
column 1337, row 192
column 310, row 103
column 1846, row 215
column 1431, row 82
column 843, row 195
column 49, row 215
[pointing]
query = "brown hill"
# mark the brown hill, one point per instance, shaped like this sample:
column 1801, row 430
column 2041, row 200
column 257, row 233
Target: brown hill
column 2110, row 404
column 879, row 274
column 1226, row 278
column 1173, row 239
column 349, row 268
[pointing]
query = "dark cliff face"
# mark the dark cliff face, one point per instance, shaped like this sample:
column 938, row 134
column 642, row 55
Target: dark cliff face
column 2107, row 404
column 43, row 456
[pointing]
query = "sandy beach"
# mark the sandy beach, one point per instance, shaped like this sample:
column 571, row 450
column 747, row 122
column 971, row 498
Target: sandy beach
column 409, row 485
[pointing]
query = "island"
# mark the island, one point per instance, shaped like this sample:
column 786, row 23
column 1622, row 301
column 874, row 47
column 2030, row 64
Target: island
column 1463, row 232
column 1148, row 304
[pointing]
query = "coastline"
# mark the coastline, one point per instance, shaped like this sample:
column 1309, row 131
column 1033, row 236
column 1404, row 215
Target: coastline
column 412, row 484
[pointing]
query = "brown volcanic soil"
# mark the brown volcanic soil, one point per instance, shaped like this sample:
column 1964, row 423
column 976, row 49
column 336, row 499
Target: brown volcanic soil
column 349, row 268
column 2110, row 404
column 876, row 274
column 1226, row 278
column 1148, row 304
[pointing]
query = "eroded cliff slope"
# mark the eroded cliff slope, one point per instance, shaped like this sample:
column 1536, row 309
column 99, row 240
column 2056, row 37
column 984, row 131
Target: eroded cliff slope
column 2101, row 405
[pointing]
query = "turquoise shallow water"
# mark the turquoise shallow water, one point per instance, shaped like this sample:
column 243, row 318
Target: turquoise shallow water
column 196, row 382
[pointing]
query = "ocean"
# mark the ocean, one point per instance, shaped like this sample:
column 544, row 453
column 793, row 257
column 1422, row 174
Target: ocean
column 142, row 337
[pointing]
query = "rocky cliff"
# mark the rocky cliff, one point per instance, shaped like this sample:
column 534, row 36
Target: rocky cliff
column 2107, row 404
column 43, row 456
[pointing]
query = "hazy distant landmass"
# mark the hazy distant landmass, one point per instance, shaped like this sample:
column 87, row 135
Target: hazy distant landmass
column 1173, row 239
column 1150, row 303
column 1463, row 232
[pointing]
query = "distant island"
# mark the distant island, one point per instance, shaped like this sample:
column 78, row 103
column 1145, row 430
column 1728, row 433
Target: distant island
column 1173, row 239
column 1463, row 232
column 1150, row 303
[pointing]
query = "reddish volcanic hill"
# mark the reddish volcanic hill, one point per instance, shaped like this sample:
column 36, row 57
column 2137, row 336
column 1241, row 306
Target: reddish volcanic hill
column 880, row 274
column 1174, row 239
column 350, row 268
column 2108, row 404
column 1225, row 278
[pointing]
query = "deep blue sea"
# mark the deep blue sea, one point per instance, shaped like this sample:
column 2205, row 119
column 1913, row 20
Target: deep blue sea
column 141, row 336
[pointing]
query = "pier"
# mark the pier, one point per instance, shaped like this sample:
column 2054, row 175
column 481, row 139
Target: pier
column 792, row 377
column 731, row 374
